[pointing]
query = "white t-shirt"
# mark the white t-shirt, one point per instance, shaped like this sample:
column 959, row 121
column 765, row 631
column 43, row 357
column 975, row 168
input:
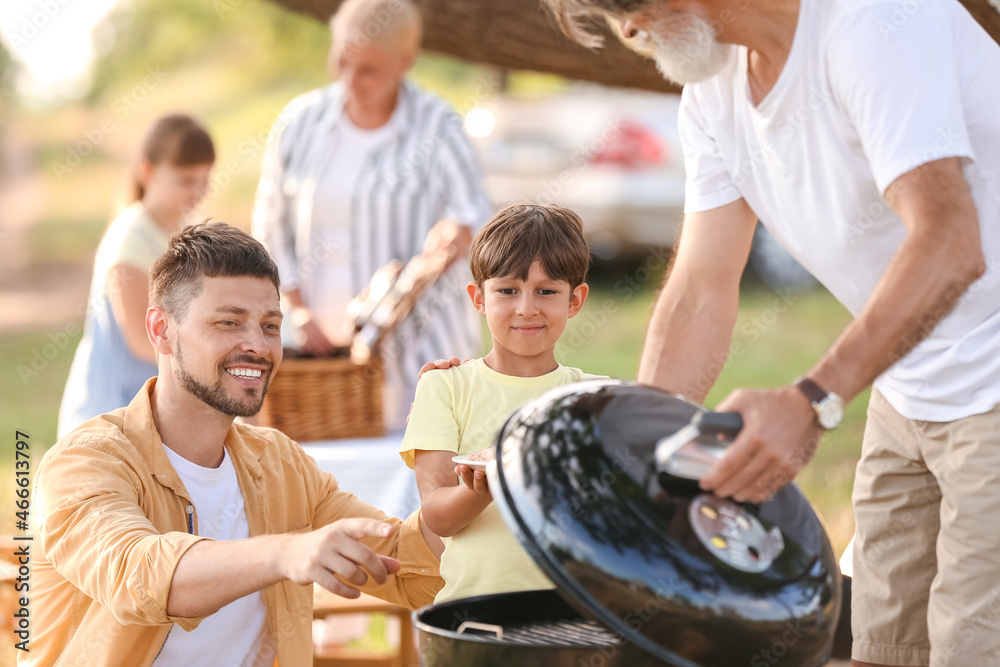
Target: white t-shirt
column 329, row 293
column 234, row 634
column 871, row 90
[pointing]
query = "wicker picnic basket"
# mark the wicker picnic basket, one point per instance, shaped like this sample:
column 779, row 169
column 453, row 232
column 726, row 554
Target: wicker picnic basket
column 327, row 398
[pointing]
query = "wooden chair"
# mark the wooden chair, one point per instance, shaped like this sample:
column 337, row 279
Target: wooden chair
column 326, row 603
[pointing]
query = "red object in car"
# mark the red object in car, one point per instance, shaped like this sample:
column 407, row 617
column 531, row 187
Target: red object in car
column 632, row 146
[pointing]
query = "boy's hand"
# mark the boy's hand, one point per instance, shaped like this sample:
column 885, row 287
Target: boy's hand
column 446, row 505
column 474, row 479
column 334, row 549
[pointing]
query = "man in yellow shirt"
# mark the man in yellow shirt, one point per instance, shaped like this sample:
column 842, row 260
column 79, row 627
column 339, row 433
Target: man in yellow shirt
column 170, row 535
column 529, row 265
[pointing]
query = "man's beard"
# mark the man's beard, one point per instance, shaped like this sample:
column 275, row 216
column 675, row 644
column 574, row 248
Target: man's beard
column 684, row 47
column 215, row 396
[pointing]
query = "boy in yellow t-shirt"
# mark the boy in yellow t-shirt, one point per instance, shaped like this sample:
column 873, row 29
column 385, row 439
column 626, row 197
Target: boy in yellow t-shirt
column 529, row 264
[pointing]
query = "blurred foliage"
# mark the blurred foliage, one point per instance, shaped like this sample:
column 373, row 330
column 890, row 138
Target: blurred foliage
column 234, row 64
column 8, row 70
column 259, row 40
column 6, row 66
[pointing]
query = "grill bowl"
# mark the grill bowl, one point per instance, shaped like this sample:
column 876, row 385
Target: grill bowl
column 539, row 630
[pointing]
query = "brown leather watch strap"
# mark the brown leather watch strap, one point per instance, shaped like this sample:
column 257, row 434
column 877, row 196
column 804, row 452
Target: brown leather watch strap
column 813, row 391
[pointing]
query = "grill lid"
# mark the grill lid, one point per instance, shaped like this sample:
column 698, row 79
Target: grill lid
column 693, row 579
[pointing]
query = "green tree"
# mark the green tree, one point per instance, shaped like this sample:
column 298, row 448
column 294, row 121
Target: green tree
column 255, row 45
column 252, row 39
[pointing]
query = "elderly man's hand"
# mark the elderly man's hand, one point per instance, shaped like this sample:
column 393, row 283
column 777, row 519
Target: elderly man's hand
column 448, row 233
column 779, row 436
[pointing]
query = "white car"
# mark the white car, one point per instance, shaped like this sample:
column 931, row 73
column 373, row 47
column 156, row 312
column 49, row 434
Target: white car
column 611, row 156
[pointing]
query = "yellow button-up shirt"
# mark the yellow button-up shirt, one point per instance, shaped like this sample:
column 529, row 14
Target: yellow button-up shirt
column 112, row 526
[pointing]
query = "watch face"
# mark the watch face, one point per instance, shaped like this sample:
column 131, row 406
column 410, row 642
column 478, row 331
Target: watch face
column 830, row 411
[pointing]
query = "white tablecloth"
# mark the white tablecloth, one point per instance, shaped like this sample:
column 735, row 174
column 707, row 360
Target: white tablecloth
column 371, row 469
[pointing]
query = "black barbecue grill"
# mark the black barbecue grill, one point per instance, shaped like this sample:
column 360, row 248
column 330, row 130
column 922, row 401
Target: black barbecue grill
column 649, row 569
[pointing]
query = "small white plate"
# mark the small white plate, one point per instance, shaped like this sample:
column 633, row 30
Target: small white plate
column 465, row 461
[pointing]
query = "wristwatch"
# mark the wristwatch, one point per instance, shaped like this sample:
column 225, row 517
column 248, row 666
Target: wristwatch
column 828, row 406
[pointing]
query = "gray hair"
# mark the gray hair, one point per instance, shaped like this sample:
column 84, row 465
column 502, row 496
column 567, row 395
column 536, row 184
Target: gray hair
column 387, row 23
column 572, row 16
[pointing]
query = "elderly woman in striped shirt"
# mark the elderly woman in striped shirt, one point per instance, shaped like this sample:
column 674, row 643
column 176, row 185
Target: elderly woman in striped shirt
column 363, row 171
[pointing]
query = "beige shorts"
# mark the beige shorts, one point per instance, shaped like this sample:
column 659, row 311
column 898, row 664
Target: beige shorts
column 926, row 587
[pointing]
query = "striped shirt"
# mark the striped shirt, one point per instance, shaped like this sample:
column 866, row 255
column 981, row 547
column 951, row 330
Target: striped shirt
column 425, row 171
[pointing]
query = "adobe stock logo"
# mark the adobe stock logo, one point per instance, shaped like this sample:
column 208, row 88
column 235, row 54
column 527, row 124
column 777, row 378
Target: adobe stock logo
column 122, row 107
column 33, row 24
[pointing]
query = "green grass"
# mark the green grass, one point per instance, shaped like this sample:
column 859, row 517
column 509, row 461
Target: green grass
column 58, row 241
column 34, row 369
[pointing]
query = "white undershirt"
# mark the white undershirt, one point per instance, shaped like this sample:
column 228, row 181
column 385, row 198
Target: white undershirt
column 328, row 295
column 232, row 635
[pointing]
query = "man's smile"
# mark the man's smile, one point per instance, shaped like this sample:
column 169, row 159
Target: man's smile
column 245, row 372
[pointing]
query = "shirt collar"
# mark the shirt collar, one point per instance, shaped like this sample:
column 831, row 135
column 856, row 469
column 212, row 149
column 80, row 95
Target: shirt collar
column 139, row 428
column 398, row 120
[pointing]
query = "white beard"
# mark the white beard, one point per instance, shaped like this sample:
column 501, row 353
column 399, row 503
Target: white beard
column 684, row 47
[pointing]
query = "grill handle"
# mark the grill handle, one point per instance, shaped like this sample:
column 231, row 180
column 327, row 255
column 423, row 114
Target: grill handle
column 481, row 627
column 719, row 424
column 709, row 433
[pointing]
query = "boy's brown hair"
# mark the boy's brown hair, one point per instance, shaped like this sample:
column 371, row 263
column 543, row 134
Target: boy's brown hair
column 522, row 233
column 206, row 250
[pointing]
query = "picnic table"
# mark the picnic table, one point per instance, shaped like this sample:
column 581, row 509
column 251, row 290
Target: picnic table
column 371, row 469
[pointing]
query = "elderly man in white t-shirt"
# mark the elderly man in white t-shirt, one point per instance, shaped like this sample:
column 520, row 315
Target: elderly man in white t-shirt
column 866, row 137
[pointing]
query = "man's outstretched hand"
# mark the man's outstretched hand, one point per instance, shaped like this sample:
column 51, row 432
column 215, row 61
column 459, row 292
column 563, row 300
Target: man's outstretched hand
column 335, row 549
column 780, row 435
